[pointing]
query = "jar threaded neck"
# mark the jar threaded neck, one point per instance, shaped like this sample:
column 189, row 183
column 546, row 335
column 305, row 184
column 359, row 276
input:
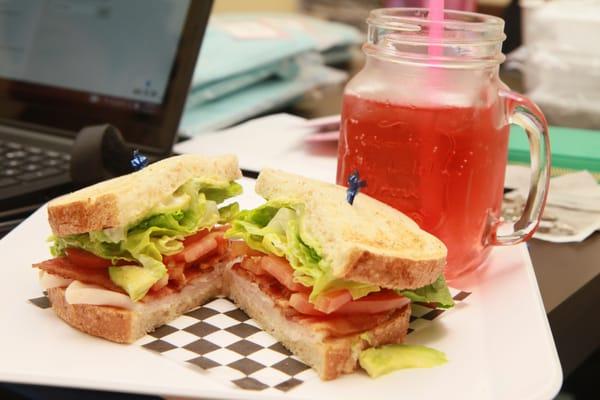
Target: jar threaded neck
column 466, row 40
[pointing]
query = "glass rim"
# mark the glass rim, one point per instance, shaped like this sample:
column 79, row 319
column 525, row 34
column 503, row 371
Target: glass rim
column 413, row 19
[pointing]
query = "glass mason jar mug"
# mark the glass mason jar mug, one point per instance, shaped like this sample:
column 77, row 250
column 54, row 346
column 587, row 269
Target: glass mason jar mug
column 426, row 125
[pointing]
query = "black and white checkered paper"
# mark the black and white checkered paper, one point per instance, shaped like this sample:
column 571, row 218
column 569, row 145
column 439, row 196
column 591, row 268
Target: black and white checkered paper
column 223, row 342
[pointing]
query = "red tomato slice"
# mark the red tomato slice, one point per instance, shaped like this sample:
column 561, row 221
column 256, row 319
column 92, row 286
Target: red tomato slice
column 253, row 264
column 299, row 301
column 195, row 237
column 331, row 301
column 283, row 272
column 86, row 259
column 196, row 248
column 239, row 248
column 374, row 303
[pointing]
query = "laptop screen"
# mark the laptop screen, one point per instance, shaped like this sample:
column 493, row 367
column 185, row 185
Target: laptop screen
column 65, row 64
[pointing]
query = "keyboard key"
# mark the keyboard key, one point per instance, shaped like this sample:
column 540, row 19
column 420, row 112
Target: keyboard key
column 54, row 162
column 42, row 173
column 9, row 172
column 14, row 146
column 66, row 157
column 15, row 154
column 52, row 153
column 33, row 150
column 36, row 158
column 31, row 167
column 13, row 163
column 7, row 182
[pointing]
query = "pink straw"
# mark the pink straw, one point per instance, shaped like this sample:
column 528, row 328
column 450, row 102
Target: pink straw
column 436, row 31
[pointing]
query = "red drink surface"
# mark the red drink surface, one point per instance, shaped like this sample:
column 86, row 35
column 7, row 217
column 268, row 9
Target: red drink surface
column 442, row 166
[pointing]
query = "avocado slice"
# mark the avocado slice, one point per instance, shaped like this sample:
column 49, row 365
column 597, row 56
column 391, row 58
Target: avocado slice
column 383, row 360
column 135, row 280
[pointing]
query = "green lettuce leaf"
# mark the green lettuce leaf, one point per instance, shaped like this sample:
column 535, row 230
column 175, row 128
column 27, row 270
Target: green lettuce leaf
column 227, row 213
column 436, row 293
column 274, row 228
column 194, row 206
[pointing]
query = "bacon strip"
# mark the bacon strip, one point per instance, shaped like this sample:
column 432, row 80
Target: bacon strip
column 181, row 272
column 61, row 266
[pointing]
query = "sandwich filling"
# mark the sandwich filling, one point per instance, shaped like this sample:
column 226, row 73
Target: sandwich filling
column 159, row 252
column 281, row 251
column 338, row 315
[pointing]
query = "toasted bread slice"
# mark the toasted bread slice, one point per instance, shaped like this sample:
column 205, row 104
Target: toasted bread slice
column 123, row 200
column 368, row 241
column 330, row 357
column 126, row 326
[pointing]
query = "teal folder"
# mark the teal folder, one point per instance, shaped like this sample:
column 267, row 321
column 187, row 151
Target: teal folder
column 572, row 149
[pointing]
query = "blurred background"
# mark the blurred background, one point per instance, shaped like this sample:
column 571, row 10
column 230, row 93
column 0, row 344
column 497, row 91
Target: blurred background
column 551, row 56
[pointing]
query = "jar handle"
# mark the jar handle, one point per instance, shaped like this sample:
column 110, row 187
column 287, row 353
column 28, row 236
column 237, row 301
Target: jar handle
column 524, row 113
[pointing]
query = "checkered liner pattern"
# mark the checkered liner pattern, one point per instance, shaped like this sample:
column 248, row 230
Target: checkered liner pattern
column 224, row 342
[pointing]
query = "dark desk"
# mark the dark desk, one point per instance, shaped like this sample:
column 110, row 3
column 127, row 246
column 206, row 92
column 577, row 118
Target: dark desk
column 569, row 279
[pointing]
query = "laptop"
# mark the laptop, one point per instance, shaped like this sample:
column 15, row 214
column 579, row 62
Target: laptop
column 68, row 64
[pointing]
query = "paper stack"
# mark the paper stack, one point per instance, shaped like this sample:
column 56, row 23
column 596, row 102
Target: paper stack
column 572, row 209
column 253, row 63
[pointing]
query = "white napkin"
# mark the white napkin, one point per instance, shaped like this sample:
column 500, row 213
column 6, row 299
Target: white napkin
column 572, row 209
column 276, row 141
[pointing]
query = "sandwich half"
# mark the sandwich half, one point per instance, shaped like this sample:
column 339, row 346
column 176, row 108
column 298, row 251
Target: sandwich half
column 326, row 278
column 134, row 252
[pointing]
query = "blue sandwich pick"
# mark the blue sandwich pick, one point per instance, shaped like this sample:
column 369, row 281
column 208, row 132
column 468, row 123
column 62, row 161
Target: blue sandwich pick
column 354, row 185
column 138, row 161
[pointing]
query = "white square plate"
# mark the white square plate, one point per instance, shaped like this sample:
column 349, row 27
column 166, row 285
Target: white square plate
column 498, row 343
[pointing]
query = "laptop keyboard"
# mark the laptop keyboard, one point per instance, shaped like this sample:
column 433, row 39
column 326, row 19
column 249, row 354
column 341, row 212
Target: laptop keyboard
column 20, row 163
